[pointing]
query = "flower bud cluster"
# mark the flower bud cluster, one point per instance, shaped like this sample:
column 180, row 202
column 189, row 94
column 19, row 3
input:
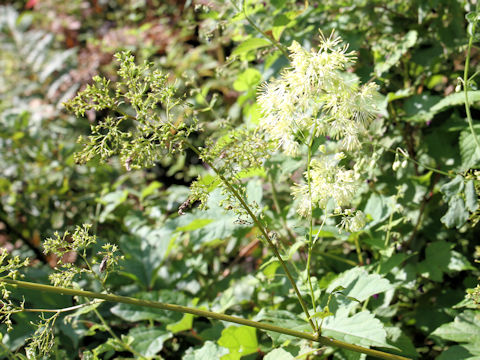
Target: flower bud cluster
column 327, row 180
column 145, row 119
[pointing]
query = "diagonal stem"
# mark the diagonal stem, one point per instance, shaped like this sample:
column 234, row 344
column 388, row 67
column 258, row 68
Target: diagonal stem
column 325, row 341
column 262, row 230
column 466, row 80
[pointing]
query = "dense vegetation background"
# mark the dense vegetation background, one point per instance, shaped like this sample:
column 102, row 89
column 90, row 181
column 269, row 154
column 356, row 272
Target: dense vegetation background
column 409, row 278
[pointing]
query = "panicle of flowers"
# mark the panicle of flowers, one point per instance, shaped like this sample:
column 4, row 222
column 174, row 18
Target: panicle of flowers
column 9, row 269
column 42, row 341
column 328, row 180
column 315, row 93
column 352, row 220
column 145, row 119
column 78, row 244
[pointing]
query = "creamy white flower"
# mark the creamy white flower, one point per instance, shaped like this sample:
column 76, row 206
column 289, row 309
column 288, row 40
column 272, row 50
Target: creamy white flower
column 313, row 93
column 328, row 181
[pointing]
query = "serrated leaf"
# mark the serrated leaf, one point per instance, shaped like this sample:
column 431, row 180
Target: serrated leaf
column 471, row 198
column 440, row 258
column 469, row 150
column 455, row 99
column 465, row 328
column 239, row 340
column 249, row 45
column 279, row 354
column 456, row 214
column 359, row 284
column 208, row 351
column 360, row 329
column 453, row 187
column 148, row 341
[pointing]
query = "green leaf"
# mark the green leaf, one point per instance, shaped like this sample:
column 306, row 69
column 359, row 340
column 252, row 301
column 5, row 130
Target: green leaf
column 279, row 354
column 360, row 329
column 418, row 107
column 279, row 3
column 208, row 351
column 452, row 188
column 185, row 323
column 394, row 56
column 195, row 224
column 397, row 338
column 457, row 213
column 469, row 150
column 359, row 284
column 240, row 340
column 464, row 329
column 458, row 352
column 148, row 341
column 134, row 313
column 455, row 99
column 150, row 189
column 247, row 80
column 249, row 45
column 111, row 201
column 471, row 198
column 280, row 22
column 144, row 252
column 439, row 259
column 378, row 207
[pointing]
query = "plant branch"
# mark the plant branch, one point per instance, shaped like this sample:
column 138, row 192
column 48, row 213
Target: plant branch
column 323, row 340
column 465, row 81
column 264, row 34
column 262, row 230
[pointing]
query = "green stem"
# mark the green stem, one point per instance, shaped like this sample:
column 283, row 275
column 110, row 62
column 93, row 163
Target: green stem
column 112, row 334
column 414, row 161
column 310, row 231
column 359, row 250
column 326, row 341
column 279, row 211
column 262, row 230
column 7, row 351
column 465, row 82
column 335, row 257
column 67, row 309
column 250, row 21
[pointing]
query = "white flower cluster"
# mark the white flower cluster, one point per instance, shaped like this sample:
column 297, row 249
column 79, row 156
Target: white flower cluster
column 352, row 221
column 315, row 94
column 328, row 180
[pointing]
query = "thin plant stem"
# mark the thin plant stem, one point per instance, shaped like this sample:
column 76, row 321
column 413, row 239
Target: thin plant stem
column 7, row 351
column 323, row 340
column 112, row 334
column 335, row 257
column 310, row 230
column 263, row 33
column 67, row 309
column 262, row 229
column 359, row 250
column 279, row 211
column 407, row 157
column 466, row 80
